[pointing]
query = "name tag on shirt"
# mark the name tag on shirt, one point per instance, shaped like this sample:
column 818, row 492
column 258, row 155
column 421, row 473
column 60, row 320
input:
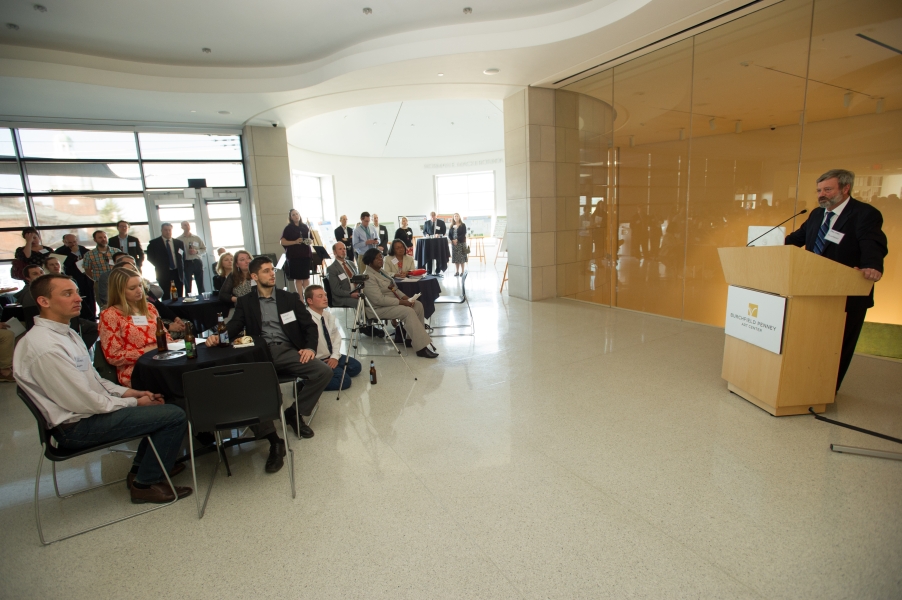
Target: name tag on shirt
column 140, row 321
column 288, row 317
column 45, row 251
column 82, row 363
column 342, row 276
column 132, row 244
column 834, row 236
column 182, row 252
column 111, row 263
column 395, row 260
column 253, row 283
column 81, row 265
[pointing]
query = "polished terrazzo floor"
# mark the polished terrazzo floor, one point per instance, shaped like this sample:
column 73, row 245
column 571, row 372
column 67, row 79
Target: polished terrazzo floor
column 565, row 451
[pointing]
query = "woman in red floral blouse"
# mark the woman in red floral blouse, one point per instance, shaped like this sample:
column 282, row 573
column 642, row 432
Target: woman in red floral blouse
column 128, row 326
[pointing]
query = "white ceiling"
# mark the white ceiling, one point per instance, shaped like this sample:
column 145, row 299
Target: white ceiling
column 405, row 129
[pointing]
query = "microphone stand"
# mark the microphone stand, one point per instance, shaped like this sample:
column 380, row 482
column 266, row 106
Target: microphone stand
column 804, row 210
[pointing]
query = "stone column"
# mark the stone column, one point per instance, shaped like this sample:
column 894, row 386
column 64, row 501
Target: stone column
column 541, row 151
column 269, row 183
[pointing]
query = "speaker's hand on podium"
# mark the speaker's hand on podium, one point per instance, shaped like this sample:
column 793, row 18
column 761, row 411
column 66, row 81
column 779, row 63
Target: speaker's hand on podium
column 870, row 274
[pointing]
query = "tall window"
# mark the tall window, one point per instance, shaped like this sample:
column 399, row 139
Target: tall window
column 470, row 194
column 308, row 196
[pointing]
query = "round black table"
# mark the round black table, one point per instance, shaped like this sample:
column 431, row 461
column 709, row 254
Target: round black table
column 428, row 288
column 203, row 313
column 429, row 249
column 165, row 376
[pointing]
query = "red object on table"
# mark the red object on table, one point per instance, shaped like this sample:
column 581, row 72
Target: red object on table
column 418, row 272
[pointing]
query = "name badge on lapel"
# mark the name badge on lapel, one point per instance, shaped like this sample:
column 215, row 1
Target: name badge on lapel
column 82, row 363
column 288, row 317
column 342, row 276
column 139, row 321
column 834, row 236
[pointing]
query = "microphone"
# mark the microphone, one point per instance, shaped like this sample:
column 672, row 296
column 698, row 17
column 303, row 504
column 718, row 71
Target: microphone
column 803, row 211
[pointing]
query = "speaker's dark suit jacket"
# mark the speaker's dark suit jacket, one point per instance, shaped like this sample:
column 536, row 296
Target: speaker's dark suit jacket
column 302, row 332
column 134, row 251
column 439, row 228
column 863, row 244
column 157, row 255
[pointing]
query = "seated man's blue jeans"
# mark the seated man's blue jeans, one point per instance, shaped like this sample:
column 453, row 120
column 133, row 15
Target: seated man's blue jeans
column 354, row 369
column 164, row 423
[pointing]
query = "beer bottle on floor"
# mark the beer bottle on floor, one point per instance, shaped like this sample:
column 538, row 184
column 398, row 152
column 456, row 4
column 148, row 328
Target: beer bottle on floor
column 222, row 332
column 162, row 344
column 372, row 372
column 190, row 344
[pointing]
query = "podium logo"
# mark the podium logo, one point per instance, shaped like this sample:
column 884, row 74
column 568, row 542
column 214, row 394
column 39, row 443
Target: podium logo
column 753, row 310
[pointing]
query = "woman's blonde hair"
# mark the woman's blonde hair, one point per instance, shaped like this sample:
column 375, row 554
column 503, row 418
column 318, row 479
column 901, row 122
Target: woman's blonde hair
column 456, row 217
column 118, row 281
column 219, row 263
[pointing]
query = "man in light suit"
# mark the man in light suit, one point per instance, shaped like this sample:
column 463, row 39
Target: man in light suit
column 167, row 255
column 851, row 233
column 391, row 303
column 340, row 273
column 128, row 243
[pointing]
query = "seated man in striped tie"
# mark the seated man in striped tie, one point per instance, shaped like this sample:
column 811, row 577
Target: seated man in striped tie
column 849, row 232
column 329, row 348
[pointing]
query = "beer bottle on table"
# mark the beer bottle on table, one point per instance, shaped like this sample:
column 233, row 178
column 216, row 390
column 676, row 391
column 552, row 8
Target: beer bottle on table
column 162, row 344
column 222, row 332
column 190, row 344
column 372, row 372
column 173, row 291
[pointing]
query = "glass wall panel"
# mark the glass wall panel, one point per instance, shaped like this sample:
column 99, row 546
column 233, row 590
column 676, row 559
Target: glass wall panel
column 854, row 121
column 651, row 144
column 64, row 210
column 68, row 143
column 748, row 97
column 180, row 146
column 83, row 177
column 176, row 175
column 10, row 181
column 6, row 143
column 12, row 214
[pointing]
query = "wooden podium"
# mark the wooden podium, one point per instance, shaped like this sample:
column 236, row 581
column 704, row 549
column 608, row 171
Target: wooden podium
column 815, row 288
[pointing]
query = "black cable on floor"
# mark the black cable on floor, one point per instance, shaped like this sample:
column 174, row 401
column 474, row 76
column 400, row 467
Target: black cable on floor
column 853, row 427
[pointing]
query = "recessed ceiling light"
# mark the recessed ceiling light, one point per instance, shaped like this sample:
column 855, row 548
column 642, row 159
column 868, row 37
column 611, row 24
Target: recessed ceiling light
column 194, row 111
column 206, row 50
column 468, row 10
column 40, row 8
column 367, row 11
column 441, row 74
column 12, row 26
column 492, row 71
column 225, row 112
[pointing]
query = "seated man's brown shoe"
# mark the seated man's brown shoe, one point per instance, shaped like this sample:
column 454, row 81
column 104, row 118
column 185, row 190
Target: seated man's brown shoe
column 158, row 493
column 176, row 469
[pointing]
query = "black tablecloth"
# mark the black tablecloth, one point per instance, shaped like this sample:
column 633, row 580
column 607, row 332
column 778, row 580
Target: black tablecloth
column 13, row 310
column 202, row 313
column 428, row 288
column 165, row 376
column 429, row 249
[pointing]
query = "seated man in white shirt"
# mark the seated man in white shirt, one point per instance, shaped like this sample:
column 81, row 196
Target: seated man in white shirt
column 329, row 348
column 53, row 366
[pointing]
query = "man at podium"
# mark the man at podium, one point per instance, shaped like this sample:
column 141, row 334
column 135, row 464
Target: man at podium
column 851, row 233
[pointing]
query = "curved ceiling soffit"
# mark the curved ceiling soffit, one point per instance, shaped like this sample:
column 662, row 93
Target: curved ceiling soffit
column 295, row 111
column 487, row 36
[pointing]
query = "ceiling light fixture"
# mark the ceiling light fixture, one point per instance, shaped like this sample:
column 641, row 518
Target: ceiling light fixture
column 441, row 74
column 880, row 106
column 12, row 26
column 682, row 134
column 225, row 112
column 367, row 11
column 468, row 11
column 847, row 99
column 492, row 71
column 712, row 125
column 206, row 50
column 40, row 8
column 738, row 126
column 632, row 141
column 194, row 111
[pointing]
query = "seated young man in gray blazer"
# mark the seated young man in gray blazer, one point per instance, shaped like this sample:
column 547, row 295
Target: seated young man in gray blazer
column 391, row 303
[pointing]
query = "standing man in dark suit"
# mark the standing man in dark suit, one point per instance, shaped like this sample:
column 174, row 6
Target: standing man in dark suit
column 344, row 234
column 128, row 243
column 851, row 233
column 74, row 253
column 382, row 232
column 434, row 226
column 167, row 255
column 284, row 322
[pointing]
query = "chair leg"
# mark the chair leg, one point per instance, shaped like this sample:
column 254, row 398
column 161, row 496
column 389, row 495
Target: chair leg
column 37, row 493
column 290, row 458
column 297, row 410
column 309, row 420
column 201, row 509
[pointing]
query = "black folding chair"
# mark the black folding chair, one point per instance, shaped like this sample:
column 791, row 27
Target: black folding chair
column 232, row 397
column 462, row 299
column 56, row 454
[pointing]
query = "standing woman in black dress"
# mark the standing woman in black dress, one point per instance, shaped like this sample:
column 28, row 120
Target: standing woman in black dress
column 298, row 245
column 345, row 234
column 457, row 233
column 405, row 233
